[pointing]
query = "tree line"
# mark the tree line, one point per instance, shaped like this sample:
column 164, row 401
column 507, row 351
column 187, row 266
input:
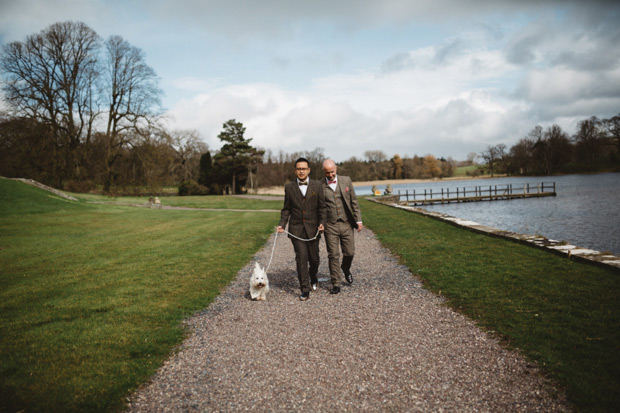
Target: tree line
column 595, row 146
column 84, row 114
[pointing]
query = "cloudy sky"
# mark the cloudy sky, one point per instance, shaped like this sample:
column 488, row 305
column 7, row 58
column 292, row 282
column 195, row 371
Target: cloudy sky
column 442, row 77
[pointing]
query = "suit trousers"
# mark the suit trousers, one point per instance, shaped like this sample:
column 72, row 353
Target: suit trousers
column 307, row 259
column 339, row 235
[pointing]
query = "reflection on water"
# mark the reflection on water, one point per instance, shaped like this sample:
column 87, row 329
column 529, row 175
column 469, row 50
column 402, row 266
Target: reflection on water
column 585, row 212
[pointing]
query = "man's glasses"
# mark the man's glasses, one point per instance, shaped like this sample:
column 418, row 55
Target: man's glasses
column 302, row 169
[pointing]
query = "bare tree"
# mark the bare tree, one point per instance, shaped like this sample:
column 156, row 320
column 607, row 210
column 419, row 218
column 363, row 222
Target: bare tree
column 51, row 78
column 375, row 157
column 471, row 158
column 493, row 156
column 588, row 139
column 447, row 166
column 188, row 148
column 612, row 126
column 521, row 156
column 132, row 96
column 552, row 148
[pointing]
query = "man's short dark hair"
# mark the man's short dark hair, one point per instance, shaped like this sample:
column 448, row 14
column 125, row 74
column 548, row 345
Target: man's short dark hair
column 302, row 160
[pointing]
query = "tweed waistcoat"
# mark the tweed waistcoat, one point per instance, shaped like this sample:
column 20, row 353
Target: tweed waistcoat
column 335, row 205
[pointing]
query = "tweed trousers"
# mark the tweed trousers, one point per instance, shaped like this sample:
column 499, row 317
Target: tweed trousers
column 339, row 235
column 307, row 260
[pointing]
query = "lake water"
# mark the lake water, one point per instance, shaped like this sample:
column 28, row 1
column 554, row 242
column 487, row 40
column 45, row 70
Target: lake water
column 585, row 212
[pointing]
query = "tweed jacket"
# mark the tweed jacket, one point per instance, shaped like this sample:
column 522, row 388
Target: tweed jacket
column 352, row 209
column 303, row 212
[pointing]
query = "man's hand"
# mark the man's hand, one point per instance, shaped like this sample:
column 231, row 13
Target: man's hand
column 321, row 228
column 280, row 229
column 360, row 227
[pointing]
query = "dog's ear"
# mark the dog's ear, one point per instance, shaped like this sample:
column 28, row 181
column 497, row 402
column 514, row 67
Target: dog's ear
column 256, row 266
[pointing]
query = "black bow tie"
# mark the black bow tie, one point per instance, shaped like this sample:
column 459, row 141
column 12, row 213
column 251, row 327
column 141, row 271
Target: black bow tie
column 303, row 183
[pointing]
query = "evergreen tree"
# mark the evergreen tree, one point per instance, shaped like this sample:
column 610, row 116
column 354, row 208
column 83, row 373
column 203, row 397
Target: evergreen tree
column 236, row 149
column 206, row 169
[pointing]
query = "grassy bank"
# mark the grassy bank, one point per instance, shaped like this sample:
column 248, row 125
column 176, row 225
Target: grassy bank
column 563, row 314
column 216, row 202
column 92, row 296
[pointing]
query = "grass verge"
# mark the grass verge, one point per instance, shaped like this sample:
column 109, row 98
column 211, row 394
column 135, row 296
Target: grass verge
column 465, row 170
column 563, row 314
column 92, row 296
column 209, row 201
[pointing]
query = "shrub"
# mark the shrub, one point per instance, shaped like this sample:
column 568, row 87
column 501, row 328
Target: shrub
column 191, row 187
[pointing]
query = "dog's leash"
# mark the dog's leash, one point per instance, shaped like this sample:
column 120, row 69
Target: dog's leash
column 303, row 239
column 273, row 248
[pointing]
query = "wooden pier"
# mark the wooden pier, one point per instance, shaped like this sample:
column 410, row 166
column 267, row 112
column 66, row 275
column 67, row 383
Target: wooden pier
column 475, row 193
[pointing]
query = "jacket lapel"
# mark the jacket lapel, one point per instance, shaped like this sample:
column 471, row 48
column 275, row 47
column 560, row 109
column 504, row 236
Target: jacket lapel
column 344, row 194
column 298, row 196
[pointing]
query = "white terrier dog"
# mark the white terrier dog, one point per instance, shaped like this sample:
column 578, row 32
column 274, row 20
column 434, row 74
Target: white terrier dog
column 259, row 284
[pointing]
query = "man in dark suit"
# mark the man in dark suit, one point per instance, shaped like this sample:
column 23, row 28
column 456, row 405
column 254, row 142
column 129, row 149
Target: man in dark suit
column 343, row 216
column 304, row 210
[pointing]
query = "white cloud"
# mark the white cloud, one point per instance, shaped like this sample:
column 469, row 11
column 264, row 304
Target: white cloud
column 278, row 119
column 447, row 107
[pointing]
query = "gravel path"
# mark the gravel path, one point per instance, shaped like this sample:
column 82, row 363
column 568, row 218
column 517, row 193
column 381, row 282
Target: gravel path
column 383, row 344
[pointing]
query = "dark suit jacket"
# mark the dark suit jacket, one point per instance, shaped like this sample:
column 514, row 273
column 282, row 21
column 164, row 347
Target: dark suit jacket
column 352, row 209
column 303, row 212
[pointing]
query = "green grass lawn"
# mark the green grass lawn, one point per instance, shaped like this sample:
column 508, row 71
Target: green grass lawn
column 209, row 201
column 92, row 296
column 464, row 170
column 561, row 313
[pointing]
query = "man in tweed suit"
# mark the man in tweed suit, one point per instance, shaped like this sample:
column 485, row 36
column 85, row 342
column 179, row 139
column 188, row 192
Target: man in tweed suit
column 343, row 216
column 304, row 210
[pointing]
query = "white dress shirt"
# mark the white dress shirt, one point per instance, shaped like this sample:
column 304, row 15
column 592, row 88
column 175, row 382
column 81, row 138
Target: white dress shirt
column 334, row 185
column 303, row 188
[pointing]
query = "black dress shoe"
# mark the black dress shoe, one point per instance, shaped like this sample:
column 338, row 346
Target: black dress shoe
column 335, row 290
column 304, row 296
column 349, row 277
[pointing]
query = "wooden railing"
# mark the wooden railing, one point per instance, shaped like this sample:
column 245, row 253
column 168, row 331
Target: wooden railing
column 475, row 193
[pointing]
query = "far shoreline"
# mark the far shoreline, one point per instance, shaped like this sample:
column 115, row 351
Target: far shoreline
column 417, row 181
column 279, row 190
